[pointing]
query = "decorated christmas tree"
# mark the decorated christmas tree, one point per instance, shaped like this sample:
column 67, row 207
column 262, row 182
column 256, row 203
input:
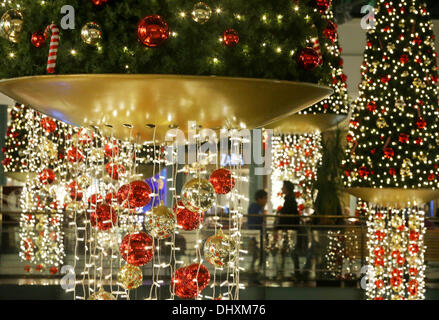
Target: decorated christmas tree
column 392, row 155
column 257, row 39
column 393, row 137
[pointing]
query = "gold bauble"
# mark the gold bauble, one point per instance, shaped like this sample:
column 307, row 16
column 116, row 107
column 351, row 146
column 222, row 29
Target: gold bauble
column 198, row 195
column 405, row 74
column 40, row 226
column 91, row 33
column 130, row 277
column 96, row 155
column 219, row 249
column 11, row 24
column 161, row 222
column 84, row 181
column 400, row 104
column 101, row 295
column 381, row 122
column 391, row 46
column 48, row 149
column 201, row 12
column 418, row 83
column 414, row 223
column 396, row 222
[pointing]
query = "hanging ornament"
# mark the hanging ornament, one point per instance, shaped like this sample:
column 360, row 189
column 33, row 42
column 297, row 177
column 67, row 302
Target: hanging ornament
column 137, row 248
column 222, row 181
column 421, row 123
column 187, row 219
column 38, row 39
column 53, row 46
column 219, row 249
column 139, row 194
column 179, row 286
column 400, row 104
column 112, row 149
column 322, row 5
column 152, row 31
column 130, row 277
column 91, row 33
column 198, row 195
column 11, row 24
column 98, row 2
column 389, row 152
column 101, row 295
column 330, row 32
column 197, row 276
column 160, row 223
column 84, row 181
column 47, row 176
column 230, row 37
column 75, row 191
column 75, row 155
column 114, row 170
column 103, row 218
column 48, row 124
column 381, row 123
column 308, row 59
column 418, row 83
column 201, row 12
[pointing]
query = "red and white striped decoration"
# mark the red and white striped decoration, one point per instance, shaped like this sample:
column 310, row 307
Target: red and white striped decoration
column 53, row 49
column 316, row 46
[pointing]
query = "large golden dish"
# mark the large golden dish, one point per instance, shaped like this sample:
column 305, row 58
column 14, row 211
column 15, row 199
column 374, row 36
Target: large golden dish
column 394, row 196
column 162, row 100
column 306, row 123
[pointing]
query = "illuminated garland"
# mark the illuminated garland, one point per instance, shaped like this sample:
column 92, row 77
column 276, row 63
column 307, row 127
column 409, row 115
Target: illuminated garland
column 295, row 158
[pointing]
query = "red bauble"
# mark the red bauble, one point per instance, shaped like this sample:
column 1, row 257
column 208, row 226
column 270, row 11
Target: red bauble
column 95, row 199
column 404, row 59
column 323, row 5
column 414, row 235
column 53, row 270
column 75, row 155
column 136, row 194
column 308, row 59
column 39, row 268
column 152, row 31
column 137, row 248
column 37, row 39
column 202, row 279
column 392, row 171
column 413, row 287
column 99, row 2
column 84, row 136
column 421, row 123
column 186, row 219
column 330, row 32
column 27, row 268
column 48, row 124
column 111, row 197
column 389, row 152
column 222, row 180
column 403, row 138
column 112, row 149
column 104, row 217
column 75, row 191
column 396, row 281
column 230, row 37
column 114, row 170
column 178, row 283
column 363, row 172
column 47, row 176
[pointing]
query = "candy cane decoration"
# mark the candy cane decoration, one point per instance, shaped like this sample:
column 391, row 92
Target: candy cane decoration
column 53, row 48
column 316, row 46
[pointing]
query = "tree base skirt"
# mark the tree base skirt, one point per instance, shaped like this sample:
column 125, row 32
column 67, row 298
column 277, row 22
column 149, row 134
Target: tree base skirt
column 166, row 101
column 394, row 197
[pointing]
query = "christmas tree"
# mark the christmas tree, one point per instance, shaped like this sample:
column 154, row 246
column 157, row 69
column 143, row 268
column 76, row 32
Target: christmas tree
column 259, row 39
column 393, row 137
column 392, row 143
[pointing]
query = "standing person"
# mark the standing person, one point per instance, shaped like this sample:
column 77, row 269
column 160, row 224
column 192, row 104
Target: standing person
column 289, row 223
column 256, row 222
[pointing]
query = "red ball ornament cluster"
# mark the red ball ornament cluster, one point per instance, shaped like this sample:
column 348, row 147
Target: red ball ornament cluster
column 308, row 59
column 75, row 155
column 112, row 149
column 222, row 180
column 323, row 5
column 187, row 219
column 114, row 170
column 153, row 31
column 230, row 37
column 186, row 282
column 137, row 249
